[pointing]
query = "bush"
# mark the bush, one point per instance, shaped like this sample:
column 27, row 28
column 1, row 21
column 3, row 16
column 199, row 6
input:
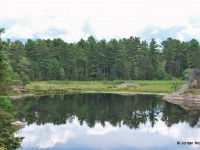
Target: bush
column 190, row 91
column 36, row 87
column 3, row 147
column 5, row 104
column 162, row 75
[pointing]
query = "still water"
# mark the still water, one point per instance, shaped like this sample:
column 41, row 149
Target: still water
column 106, row 121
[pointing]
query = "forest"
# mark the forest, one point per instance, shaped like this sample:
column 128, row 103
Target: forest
column 123, row 59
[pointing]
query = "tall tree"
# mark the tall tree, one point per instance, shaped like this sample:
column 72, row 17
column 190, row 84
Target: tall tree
column 194, row 54
column 15, row 52
column 4, row 78
column 154, row 54
column 175, row 56
column 127, row 58
column 23, row 69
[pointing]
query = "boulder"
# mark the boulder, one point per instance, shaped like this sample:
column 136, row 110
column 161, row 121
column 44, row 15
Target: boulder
column 127, row 85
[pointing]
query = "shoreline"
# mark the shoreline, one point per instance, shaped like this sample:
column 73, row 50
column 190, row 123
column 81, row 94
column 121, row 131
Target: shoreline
column 187, row 101
column 126, row 88
column 22, row 96
column 127, row 93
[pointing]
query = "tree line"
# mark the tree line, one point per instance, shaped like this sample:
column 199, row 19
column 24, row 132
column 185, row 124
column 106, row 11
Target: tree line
column 123, row 59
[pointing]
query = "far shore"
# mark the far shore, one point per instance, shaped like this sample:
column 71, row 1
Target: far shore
column 121, row 87
column 125, row 88
column 22, row 96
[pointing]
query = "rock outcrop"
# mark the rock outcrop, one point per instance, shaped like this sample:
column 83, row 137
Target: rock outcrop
column 186, row 100
column 127, row 85
column 20, row 89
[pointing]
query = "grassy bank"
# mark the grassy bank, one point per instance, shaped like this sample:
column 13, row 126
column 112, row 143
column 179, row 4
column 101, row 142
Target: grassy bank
column 104, row 86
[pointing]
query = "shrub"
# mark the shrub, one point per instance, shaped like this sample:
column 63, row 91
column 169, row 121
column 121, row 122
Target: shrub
column 190, row 91
column 36, row 87
column 5, row 104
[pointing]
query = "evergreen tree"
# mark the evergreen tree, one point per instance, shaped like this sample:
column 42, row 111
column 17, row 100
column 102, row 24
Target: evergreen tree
column 194, row 54
column 15, row 52
column 4, row 78
column 23, row 69
column 174, row 53
column 127, row 58
column 3, row 69
column 154, row 60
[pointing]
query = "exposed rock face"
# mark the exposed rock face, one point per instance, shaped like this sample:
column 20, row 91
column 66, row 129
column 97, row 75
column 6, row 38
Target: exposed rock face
column 19, row 125
column 192, row 84
column 19, row 89
column 127, row 85
column 195, row 76
column 185, row 100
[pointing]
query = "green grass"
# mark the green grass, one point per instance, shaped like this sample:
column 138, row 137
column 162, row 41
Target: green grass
column 152, row 86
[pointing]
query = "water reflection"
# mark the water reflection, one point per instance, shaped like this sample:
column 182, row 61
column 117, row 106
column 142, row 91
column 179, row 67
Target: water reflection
column 105, row 121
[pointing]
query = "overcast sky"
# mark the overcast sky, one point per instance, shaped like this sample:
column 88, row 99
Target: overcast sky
column 72, row 20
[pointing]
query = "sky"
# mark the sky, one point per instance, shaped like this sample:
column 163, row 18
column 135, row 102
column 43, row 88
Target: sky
column 72, row 20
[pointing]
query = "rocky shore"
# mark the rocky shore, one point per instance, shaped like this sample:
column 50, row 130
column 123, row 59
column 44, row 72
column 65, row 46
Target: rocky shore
column 185, row 100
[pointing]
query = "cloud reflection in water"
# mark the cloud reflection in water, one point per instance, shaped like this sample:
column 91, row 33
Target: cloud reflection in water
column 73, row 134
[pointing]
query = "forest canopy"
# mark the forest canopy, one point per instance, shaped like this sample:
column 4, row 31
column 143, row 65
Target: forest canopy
column 126, row 59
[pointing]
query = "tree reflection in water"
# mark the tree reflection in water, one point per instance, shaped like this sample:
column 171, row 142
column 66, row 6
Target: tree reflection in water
column 118, row 110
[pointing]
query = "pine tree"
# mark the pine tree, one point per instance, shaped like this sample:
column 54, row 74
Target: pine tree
column 23, row 69
column 4, row 79
column 194, row 54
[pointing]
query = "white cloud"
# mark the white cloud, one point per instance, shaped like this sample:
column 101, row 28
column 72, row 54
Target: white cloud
column 107, row 137
column 49, row 135
column 100, row 130
column 46, row 136
column 180, row 36
column 20, row 32
column 107, row 18
column 180, row 132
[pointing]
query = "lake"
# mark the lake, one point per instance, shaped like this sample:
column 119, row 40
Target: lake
column 106, row 121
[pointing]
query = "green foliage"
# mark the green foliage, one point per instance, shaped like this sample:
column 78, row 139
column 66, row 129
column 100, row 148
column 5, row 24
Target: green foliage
column 62, row 73
column 162, row 75
column 5, row 104
column 194, row 53
column 3, row 147
column 186, row 73
column 86, row 60
column 8, row 140
column 123, row 59
column 174, row 57
column 23, row 69
column 7, row 75
column 157, row 72
column 4, row 71
column 190, row 91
